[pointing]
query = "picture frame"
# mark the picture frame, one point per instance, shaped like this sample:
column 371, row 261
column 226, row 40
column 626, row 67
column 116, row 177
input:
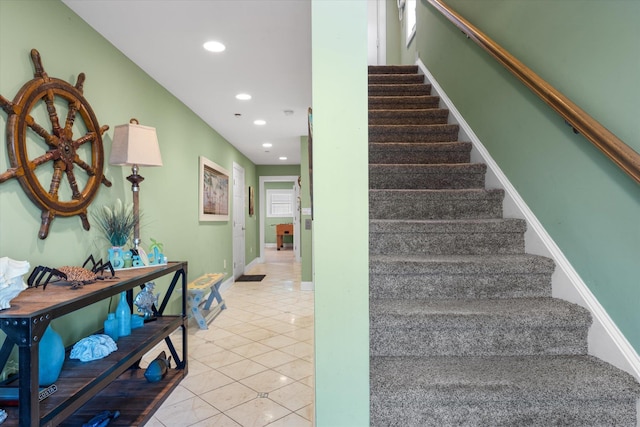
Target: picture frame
column 250, row 201
column 213, row 191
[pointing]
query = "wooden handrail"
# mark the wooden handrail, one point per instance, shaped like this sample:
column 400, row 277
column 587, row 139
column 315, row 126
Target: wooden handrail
column 620, row 153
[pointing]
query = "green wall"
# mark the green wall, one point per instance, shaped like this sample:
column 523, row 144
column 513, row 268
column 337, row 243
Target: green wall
column 306, row 236
column 117, row 90
column 591, row 54
column 340, row 201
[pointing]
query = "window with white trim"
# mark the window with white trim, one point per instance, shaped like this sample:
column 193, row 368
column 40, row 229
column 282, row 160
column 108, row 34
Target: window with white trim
column 279, row 203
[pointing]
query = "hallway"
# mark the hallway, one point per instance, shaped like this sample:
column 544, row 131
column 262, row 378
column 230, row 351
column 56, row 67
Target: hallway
column 254, row 365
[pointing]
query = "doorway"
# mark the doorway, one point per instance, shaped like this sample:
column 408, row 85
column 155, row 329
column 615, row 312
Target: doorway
column 296, row 212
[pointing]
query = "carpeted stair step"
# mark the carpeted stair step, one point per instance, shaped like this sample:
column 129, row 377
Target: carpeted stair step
column 447, row 237
column 419, row 152
column 570, row 391
column 403, row 102
column 420, row 89
column 421, row 277
column 451, row 176
column 480, row 327
column 396, row 79
column 429, row 116
column 413, row 133
column 393, row 69
column 435, row 204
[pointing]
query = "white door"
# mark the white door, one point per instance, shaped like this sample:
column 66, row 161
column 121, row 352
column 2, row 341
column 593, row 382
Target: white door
column 238, row 220
column 377, row 32
column 296, row 221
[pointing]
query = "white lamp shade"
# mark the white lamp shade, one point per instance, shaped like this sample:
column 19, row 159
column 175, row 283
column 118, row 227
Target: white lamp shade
column 135, row 144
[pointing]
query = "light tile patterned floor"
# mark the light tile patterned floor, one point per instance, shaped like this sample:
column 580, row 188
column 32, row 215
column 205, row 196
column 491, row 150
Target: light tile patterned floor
column 254, row 365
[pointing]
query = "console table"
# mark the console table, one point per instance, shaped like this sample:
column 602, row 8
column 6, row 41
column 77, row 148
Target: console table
column 87, row 388
column 281, row 231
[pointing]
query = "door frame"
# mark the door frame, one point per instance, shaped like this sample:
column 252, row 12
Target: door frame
column 238, row 244
column 262, row 194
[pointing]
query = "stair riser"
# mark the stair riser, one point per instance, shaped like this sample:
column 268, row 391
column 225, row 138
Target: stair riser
column 400, row 90
column 387, row 79
column 381, row 179
column 387, row 411
column 393, row 69
column 408, row 117
column 426, row 133
column 431, row 205
column 475, row 337
column 446, row 244
column 403, row 103
column 465, row 286
column 405, row 157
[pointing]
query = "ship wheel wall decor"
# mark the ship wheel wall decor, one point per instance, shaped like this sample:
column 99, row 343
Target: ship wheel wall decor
column 32, row 144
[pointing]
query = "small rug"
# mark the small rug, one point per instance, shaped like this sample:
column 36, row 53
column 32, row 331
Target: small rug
column 250, row 278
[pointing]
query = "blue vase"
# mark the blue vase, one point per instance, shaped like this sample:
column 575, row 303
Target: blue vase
column 51, row 357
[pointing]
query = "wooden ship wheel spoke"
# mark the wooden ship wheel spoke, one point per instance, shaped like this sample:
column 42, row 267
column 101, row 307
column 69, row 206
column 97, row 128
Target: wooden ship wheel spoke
column 25, row 135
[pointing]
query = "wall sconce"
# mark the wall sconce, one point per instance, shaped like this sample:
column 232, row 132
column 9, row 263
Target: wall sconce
column 135, row 145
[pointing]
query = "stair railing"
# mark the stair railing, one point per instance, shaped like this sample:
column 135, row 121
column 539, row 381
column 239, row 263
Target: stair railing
column 620, row 153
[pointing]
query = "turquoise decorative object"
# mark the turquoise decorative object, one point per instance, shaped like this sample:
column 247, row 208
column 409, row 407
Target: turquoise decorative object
column 111, row 326
column 158, row 368
column 137, row 321
column 116, row 257
column 123, row 314
column 51, row 354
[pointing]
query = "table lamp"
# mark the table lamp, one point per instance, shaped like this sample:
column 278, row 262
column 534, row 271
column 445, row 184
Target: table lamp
column 135, row 145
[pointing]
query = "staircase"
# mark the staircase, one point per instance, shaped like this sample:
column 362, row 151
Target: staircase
column 463, row 328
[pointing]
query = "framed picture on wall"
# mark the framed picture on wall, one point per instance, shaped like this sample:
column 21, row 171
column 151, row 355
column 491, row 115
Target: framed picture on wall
column 250, row 201
column 213, row 191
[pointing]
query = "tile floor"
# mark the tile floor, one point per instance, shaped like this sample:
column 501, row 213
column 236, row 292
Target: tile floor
column 254, row 365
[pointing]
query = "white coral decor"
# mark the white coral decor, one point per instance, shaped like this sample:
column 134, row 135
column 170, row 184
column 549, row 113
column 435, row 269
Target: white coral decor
column 93, row 347
column 11, row 283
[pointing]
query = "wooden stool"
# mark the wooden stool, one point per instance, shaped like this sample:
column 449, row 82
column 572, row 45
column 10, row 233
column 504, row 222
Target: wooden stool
column 196, row 291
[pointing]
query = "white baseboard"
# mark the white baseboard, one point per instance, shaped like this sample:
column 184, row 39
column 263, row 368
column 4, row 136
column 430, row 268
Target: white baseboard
column 307, row 286
column 253, row 263
column 226, row 284
column 605, row 339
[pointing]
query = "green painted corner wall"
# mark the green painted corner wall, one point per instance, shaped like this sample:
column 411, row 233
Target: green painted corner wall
column 340, row 203
column 586, row 203
column 306, row 235
column 117, row 90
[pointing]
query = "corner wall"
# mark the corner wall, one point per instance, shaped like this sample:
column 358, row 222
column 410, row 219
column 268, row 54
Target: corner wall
column 116, row 90
column 340, row 203
column 588, row 205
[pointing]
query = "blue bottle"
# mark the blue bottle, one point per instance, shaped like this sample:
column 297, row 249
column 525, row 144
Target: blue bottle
column 111, row 326
column 123, row 315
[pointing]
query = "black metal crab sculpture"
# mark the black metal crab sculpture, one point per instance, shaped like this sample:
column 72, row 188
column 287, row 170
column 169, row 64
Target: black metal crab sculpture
column 77, row 277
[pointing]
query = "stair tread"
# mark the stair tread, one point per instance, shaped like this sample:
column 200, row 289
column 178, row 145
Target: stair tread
column 403, row 168
column 503, row 225
column 492, row 378
column 459, row 193
column 430, row 146
column 543, row 311
column 420, row 264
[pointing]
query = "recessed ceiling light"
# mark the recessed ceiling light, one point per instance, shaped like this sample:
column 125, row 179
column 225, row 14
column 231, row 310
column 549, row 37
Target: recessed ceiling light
column 282, row 158
column 214, row 46
column 267, row 145
column 243, row 96
column 260, row 122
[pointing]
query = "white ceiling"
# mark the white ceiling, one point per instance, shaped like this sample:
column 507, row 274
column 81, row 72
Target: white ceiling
column 268, row 55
